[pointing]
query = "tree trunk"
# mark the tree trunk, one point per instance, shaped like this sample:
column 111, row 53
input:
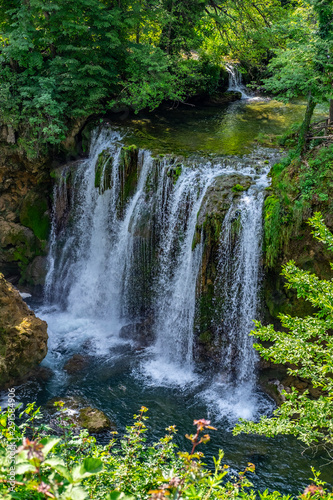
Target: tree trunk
column 330, row 119
column 301, row 146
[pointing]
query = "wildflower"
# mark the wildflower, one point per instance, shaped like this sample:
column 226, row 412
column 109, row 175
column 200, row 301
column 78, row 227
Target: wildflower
column 312, row 490
column 34, row 449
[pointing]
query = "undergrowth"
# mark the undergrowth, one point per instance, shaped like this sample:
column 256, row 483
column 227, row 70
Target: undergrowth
column 35, row 464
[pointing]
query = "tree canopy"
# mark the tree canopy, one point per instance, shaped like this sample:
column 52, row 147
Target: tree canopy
column 61, row 60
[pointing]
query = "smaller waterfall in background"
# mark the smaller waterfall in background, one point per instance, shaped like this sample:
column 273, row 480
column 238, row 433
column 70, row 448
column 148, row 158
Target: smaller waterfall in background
column 235, row 81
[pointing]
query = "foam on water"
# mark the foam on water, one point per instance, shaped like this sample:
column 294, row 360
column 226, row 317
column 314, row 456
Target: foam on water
column 103, row 275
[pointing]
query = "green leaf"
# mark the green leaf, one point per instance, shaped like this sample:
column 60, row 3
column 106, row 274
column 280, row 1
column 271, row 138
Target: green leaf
column 117, row 495
column 74, row 493
column 89, row 467
column 58, row 465
column 49, row 443
column 24, row 467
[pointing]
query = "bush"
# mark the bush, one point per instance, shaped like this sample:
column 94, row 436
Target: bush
column 71, row 466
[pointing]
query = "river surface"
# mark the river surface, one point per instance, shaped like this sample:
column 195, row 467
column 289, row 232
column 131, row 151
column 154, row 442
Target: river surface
column 87, row 276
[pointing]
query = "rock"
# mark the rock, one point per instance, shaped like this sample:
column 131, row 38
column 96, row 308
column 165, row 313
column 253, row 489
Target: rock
column 36, row 271
column 76, row 363
column 218, row 199
column 10, row 135
column 141, row 332
column 70, row 402
column 94, row 420
column 80, row 415
column 23, row 336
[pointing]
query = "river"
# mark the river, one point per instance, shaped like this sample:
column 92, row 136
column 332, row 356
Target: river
column 122, row 262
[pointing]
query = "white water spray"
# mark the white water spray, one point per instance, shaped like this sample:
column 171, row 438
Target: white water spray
column 235, row 81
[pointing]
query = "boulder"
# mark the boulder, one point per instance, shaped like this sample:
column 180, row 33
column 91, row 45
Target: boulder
column 94, row 420
column 76, row 363
column 23, row 336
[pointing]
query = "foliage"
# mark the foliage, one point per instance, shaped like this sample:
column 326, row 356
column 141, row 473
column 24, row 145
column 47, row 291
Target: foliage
column 63, row 61
column 73, row 466
column 297, row 184
column 304, row 63
column 307, row 346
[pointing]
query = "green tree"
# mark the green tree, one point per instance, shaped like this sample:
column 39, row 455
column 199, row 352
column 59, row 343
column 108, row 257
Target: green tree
column 304, row 66
column 306, row 344
column 62, row 61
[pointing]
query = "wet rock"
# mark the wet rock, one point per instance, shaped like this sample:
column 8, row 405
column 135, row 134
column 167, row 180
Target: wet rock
column 23, row 336
column 76, row 363
column 79, row 414
column 42, row 373
column 36, row 271
column 94, row 420
column 140, row 332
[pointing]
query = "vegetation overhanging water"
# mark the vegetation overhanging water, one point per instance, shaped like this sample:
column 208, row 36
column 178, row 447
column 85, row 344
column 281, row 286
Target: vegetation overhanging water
column 113, row 381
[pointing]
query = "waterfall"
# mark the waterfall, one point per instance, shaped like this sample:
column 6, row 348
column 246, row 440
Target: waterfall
column 235, row 80
column 238, row 283
column 122, row 260
column 175, row 289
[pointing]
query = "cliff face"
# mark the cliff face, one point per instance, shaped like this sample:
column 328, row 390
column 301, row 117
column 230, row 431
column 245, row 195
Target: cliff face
column 24, row 216
column 23, row 336
column 300, row 187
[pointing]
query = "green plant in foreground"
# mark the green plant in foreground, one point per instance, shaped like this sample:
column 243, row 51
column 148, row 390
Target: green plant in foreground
column 306, row 344
column 72, row 466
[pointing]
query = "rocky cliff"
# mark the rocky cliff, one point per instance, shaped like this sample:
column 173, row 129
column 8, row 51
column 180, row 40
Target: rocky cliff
column 23, row 336
column 24, row 216
column 300, row 187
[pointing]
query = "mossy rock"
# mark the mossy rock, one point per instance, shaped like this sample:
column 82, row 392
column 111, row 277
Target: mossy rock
column 174, row 172
column 94, row 420
column 34, row 215
column 103, row 171
column 23, row 336
column 129, row 163
column 18, row 249
column 238, row 188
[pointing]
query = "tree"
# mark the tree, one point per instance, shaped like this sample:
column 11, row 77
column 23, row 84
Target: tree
column 61, row 61
column 304, row 67
column 306, row 345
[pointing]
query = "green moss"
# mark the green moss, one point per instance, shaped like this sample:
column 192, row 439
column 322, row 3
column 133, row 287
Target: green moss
column 237, row 188
column 205, row 337
column 300, row 186
column 272, row 226
column 103, row 171
column 33, row 214
column 129, row 163
column 174, row 172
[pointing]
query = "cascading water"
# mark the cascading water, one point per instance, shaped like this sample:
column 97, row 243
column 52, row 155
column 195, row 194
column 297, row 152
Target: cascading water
column 238, row 277
column 235, row 80
column 124, row 284
column 237, row 283
column 116, row 263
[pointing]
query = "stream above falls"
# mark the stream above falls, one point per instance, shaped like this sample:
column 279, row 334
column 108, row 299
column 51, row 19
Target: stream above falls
column 129, row 259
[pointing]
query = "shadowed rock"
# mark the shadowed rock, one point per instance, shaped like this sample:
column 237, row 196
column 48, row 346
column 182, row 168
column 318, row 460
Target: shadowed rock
column 23, row 336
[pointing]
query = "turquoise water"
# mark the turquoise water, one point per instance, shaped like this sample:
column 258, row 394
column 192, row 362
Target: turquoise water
column 114, row 380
